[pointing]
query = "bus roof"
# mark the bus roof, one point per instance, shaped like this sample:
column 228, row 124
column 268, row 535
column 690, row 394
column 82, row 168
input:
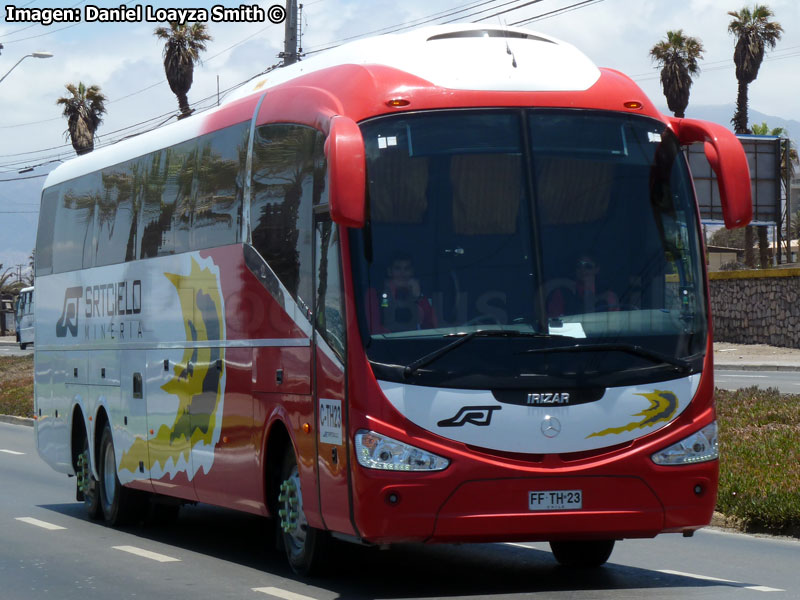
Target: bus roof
column 459, row 56
column 465, row 59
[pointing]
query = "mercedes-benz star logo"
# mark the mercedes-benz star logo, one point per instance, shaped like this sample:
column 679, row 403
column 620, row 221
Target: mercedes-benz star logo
column 551, row 426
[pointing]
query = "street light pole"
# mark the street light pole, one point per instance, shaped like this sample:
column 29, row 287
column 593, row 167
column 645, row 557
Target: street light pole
column 34, row 55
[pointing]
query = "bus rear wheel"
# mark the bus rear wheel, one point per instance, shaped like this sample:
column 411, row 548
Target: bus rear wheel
column 582, row 554
column 304, row 545
column 88, row 489
column 120, row 505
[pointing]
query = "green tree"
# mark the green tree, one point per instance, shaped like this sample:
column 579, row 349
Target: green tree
column 6, row 278
column 728, row 238
column 677, row 56
column 182, row 48
column 83, row 108
column 764, row 129
column 31, row 268
column 754, row 33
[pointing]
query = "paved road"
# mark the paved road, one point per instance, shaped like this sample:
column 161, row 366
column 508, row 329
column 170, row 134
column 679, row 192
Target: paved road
column 7, row 349
column 210, row 553
column 788, row 382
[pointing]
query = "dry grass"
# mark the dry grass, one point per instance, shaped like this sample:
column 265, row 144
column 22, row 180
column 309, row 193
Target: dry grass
column 16, row 386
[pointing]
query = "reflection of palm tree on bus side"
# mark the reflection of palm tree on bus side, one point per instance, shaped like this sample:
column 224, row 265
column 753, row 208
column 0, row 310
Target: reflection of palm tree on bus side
column 280, row 190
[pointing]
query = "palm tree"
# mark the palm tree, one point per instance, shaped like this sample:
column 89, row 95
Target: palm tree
column 182, row 49
column 83, row 109
column 754, row 33
column 677, row 56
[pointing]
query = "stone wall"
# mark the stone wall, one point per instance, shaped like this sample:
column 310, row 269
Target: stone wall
column 756, row 307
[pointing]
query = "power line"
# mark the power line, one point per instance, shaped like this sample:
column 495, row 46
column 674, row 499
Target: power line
column 107, row 139
column 721, row 65
column 402, row 26
column 558, row 11
column 414, row 23
column 41, row 34
column 144, row 89
column 36, row 24
column 497, row 14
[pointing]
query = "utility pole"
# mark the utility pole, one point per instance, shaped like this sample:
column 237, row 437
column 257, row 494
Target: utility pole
column 289, row 53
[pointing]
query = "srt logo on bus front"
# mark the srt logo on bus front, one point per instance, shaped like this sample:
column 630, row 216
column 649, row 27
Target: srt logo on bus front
column 69, row 314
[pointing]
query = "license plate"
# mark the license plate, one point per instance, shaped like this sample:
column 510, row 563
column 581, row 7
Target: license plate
column 555, row 500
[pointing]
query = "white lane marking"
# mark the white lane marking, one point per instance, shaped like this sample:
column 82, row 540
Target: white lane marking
column 146, row 554
column 279, row 593
column 38, row 523
column 757, row 588
column 14, row 452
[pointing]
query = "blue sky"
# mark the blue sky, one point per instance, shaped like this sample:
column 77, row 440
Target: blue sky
column 124, row 59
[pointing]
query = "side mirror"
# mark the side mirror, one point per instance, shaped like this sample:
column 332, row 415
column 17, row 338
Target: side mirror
column 728, row 160
column 347, row 177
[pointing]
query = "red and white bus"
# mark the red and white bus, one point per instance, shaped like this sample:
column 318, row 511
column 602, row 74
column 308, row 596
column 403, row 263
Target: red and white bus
column 443, row 286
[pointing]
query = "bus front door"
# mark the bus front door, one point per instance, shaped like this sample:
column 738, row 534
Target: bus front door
column 330, row 379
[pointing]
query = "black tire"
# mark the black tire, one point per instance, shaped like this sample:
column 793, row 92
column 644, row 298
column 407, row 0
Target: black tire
column 305, row 546
column 582, row 554
column 90, row 494
column 22, row 346
column 120, row 505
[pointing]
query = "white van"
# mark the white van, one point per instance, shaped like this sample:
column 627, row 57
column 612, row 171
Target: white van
column 25, row 317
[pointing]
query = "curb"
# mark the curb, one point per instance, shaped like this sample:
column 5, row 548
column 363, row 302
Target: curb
column 16, row 420
column 751, row 367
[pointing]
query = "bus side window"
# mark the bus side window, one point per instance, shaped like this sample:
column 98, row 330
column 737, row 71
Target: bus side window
column 283, row 189
column 46, row 232
column 114, row 215
column 73, row 240
column 156, row 201
column 218, row 209
column 329, row 307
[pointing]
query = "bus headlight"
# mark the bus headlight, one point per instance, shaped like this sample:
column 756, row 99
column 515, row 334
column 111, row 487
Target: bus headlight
column 701, row 446
column 377, row 451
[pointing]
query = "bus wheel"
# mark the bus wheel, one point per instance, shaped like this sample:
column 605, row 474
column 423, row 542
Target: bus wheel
column 119, row 504
column 88, row 490
column 304, row 545
column 582, row 554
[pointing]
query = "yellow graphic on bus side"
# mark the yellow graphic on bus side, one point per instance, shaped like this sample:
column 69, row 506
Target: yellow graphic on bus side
column 663, row 405
column 196, row 379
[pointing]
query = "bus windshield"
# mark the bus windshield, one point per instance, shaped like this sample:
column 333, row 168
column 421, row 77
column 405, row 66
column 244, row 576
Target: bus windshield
column 567, row 239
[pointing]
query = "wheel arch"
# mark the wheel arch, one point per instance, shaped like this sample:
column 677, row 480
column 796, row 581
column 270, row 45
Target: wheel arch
column 278, row 440
column 77, row 435
column 100, row 421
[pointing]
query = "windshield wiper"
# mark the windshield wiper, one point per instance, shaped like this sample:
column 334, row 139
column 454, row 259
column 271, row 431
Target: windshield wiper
column 680, row 365
column 410, row 369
